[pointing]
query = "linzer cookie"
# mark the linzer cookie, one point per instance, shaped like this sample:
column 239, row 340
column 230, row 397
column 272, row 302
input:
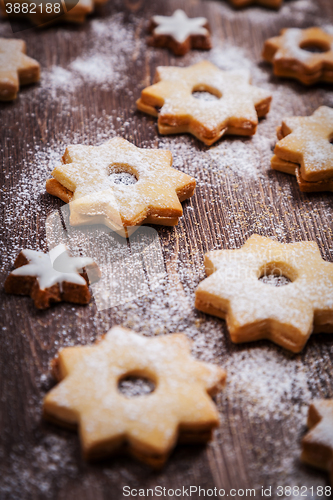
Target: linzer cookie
column 235, row 111
column 180, row 33
column 85, row 180
column 305, row 150
column 74, row 11
column 147, row 426
column 274, row 4
column 253, row 309
column 317, row 444
column 306, row 55
column 16, row 68
column 52, row 277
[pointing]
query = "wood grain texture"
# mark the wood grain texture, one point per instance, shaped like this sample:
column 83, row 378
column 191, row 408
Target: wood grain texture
column 257, row 443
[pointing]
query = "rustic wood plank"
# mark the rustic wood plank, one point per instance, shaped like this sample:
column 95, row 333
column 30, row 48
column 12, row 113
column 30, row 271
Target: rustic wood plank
column 264, row 406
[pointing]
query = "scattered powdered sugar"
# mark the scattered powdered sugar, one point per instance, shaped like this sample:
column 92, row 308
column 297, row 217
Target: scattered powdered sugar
column 232, row 58
column 238, row 155
column 59, row 78
column 267, row 384
column 25, row 199
column 112, row 46
column 99, row 69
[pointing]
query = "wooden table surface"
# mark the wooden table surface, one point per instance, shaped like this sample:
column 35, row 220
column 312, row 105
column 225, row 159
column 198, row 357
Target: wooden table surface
column 91, row 77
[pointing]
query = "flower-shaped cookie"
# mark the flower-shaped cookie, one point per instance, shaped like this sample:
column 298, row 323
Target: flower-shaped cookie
column 235, row 112
column 317, row 445
column 149, row 425
column 52, row 277
column 84, row 181
column 292, row 56
column 254, row 310
column 74, row 11
column 179, row 32
column 16, row 68
column 305, row 149
column 275, row 4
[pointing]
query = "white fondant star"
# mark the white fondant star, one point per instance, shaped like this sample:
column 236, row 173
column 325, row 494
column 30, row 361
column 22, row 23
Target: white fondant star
column 179, row 26
column 41, row 265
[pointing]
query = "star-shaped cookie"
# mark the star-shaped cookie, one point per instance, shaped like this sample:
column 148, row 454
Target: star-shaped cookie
column 253, row 310
column 317, row 444
column 16, row 68
column 305, row 143
column 84, row 181
column 290, row 58
column 275, row 4
column 179, row 32
column 148, row 425
column 178, row 111
column 52, row 277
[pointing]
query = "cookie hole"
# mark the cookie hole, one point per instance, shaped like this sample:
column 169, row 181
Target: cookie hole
column 132, row 386
column 122, row 178
column 202, row 95
column 205, row 93
column 315, row 47
column 275, row 280
column 277, row 274
column 120, row 173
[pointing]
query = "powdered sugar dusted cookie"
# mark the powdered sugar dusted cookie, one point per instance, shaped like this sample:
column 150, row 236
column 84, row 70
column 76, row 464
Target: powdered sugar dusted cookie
column 85, row 181
column 147, row 426
column 16, row 68
column 179, row 32
column 52, row 277
column 253, row 310
column 305, row 150
column 317, row 444
column 306, row 55
column 235, row 111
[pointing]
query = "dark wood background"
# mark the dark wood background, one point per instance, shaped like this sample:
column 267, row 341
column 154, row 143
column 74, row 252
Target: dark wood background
column 251, row 448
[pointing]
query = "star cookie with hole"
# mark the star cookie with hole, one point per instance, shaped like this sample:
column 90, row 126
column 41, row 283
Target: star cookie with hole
column 274, row 4
column 180, row 33
column 52, row 277
column 146, row 426
column 317, row 444
column 86, row 181
column 305, row 150
column 253, row 310
column 236, row 110
column 16, row 68
column 305, row 55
